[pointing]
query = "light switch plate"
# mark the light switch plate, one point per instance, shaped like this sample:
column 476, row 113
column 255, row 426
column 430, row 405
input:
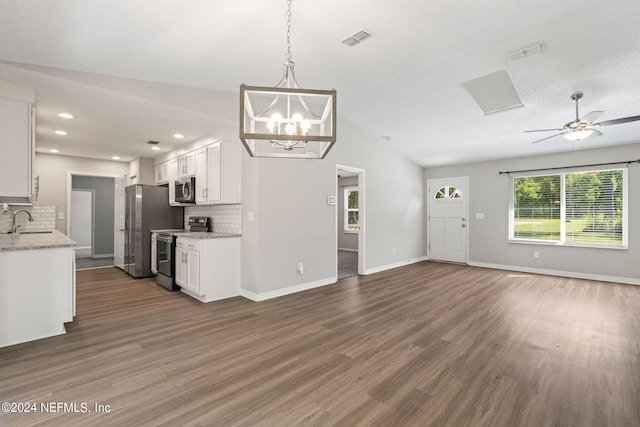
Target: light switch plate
column 331, row 200
column 479, row 215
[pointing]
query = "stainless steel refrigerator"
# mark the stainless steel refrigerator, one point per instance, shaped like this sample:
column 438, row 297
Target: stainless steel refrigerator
column 146, row 208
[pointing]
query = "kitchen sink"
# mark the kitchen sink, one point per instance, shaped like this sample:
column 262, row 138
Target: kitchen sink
column 36, row 232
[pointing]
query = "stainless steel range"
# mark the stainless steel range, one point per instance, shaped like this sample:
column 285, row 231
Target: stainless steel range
column 166, row 250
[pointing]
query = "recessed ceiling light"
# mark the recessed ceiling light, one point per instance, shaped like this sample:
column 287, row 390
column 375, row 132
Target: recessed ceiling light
column 65, row 115
column 178, row 136
column 115, row 158
column 155, row 148
column 60, row 132
column 53, row 150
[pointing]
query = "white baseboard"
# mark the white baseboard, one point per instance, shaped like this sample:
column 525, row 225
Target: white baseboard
column 102, row 256
column 286, row 291
column 347, row 249
column 573, row 274
column 394, row 265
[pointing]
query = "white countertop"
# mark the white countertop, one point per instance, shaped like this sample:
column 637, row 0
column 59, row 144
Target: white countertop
column 21, row 242
column 204, row 235
column 180, row 232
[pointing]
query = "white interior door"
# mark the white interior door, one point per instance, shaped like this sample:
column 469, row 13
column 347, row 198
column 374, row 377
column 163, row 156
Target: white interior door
column 447, row 219
column 82, row 218
column 118, row 227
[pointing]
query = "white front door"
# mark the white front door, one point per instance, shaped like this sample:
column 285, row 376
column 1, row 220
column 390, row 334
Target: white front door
column 447, row 219
column 118, row 229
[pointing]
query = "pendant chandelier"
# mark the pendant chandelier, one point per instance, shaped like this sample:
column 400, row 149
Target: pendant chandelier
column 287, row 120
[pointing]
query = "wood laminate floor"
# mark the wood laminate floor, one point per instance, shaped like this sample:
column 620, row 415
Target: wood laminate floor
column 426, row 345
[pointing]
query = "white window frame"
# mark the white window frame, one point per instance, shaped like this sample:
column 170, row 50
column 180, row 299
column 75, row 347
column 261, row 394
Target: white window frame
column 562, row 241
column 347, row 229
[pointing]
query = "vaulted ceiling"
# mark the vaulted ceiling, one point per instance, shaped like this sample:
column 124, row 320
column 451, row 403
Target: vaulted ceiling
column 133, row 71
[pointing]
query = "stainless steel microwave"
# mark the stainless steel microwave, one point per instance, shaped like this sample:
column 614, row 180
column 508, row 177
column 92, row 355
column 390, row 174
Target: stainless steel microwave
column 186, row 190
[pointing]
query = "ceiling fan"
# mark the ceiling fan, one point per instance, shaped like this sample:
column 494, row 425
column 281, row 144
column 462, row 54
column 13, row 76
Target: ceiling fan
column 582, row 128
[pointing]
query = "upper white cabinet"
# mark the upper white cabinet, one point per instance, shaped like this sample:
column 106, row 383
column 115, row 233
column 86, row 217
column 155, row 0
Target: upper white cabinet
column 17, row 143
column 187, row 165
column 162, row 173
column 216, row 167
column 172, row 176
column 218, row 173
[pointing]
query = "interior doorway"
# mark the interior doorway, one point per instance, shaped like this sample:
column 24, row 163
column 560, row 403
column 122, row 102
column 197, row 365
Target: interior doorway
column 350, row 221
column 82, row 220
column 91, row 227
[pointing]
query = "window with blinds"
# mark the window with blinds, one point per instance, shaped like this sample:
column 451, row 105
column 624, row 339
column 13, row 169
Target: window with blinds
column 583, row 207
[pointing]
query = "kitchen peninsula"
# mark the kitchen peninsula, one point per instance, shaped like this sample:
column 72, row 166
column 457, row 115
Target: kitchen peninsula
column 37, row 285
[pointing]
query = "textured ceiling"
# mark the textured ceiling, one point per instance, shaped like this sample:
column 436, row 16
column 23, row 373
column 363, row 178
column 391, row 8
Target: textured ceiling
column 131, row 71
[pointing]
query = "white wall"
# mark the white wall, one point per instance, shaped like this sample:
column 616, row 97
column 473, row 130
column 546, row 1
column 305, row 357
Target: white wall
column 52, row 170
column 489, row 193
column 293, row 222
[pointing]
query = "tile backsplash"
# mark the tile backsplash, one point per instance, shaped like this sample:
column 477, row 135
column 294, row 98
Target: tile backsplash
column 224, row 218
column 44, row 218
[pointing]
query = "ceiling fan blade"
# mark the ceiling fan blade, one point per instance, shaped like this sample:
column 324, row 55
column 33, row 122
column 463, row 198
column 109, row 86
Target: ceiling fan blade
column 591, row 117
column 595, row 133
column 617, row 121
column 549, row 137
column 543, row 130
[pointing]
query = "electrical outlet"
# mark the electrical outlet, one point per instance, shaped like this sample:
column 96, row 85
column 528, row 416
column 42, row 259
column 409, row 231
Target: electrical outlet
column 536, row 254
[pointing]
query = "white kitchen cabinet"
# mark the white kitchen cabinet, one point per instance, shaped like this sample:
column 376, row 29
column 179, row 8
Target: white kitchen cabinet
column 162, row 173
column 188, row 265
column 154, row 253
column 202, row 186
column 208, row 269
column 187, row 165
column 17, row 146
column 218, row 173
column 172, row 176
column 37, row 296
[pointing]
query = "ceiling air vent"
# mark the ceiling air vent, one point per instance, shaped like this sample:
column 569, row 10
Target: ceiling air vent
column 357, row 38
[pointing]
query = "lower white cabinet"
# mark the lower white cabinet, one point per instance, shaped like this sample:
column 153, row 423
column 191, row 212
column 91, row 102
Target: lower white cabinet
column 188, row 265
column 208, row 269
column 37, row 293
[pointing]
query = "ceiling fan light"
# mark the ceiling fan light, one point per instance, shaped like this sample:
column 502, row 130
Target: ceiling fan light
column 577, row 135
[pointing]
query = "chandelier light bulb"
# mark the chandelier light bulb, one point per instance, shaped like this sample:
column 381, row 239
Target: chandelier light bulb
column 290, row 129
column 297, row 117
column 305, row 125
column 277, row 118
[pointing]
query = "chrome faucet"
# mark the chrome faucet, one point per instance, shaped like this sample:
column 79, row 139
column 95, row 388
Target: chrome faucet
column 14, row 227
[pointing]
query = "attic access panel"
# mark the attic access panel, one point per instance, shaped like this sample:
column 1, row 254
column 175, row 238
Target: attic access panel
column 494, row 92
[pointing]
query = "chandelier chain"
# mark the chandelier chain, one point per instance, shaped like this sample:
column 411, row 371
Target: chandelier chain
column 288, row 56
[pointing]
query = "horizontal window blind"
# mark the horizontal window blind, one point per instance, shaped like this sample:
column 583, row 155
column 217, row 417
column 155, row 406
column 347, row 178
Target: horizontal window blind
column 594, row 207
column 578, row 207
